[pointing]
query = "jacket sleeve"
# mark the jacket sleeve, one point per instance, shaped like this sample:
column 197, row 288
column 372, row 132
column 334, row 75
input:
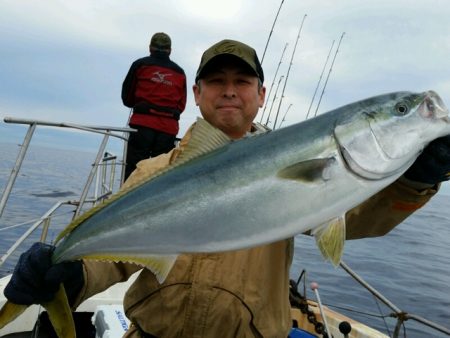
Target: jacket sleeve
column 382, row 212
column 129, row 87
column 182, row 101
column 99, row 276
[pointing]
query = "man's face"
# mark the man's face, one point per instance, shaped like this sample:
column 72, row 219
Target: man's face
column 229, row 98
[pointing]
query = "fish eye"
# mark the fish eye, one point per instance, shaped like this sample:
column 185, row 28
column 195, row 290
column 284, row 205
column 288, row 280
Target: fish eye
column 401, row 109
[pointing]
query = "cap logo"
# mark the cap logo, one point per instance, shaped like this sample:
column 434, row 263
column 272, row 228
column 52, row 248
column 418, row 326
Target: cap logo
column 228, row 48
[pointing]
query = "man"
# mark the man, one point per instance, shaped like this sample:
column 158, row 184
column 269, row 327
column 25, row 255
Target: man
column 155, row 87
column 242, row 293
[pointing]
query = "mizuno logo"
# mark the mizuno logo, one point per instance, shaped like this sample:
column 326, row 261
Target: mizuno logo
column 161, row 78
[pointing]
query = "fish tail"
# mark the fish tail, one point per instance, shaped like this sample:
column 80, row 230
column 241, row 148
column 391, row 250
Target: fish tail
column 60, row 314
column 9, row 312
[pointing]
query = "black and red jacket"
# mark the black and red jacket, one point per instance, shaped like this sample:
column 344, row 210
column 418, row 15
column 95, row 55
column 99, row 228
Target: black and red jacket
column 155, row 87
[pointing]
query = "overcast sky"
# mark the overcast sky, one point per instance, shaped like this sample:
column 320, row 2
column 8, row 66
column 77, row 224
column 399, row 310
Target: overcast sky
column 65, row 60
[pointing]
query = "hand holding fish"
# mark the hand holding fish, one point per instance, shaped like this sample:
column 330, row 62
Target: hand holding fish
column 433, row 165
column 36, row 280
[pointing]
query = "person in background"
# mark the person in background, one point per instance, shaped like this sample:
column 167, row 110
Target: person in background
column 242, row 293
column 155, row 87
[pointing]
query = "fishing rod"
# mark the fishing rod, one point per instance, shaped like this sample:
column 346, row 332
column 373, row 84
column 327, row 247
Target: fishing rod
column 320, row 79
column 274, row 98
column 271, row 31
column 329, row 72
column 290, row 65
column 284, row 117
column 271, row 86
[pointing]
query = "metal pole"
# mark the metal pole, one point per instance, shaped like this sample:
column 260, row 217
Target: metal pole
column 429, row 323
column 369, row 287
column 104, row 173
column 45, row 226
column 15, row 170
column 28, row 233
column 112, row 175
column 92, row 174
column 315, row 287
column 124, row 159
column 93, row 129
column 97, row 183
column 126, row 137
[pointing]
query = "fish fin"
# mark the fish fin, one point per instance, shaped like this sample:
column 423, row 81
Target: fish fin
column 330, row 239
column 60, row 314
column 160, row 265
column 309, row 171
column 10, row 312
column 204, row 139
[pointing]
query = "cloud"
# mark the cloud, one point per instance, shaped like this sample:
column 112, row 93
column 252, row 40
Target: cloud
column 66, row 60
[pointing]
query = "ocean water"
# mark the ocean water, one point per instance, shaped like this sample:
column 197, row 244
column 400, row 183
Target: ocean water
column 410, row 266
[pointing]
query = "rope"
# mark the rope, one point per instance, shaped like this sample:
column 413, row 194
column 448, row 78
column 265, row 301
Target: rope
column 19, row 224
column 32, row 221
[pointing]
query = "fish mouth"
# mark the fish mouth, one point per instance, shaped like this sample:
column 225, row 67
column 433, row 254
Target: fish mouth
column 434, row 107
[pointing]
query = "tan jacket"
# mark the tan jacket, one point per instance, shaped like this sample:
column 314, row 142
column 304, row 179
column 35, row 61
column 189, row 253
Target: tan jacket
column 234, row 294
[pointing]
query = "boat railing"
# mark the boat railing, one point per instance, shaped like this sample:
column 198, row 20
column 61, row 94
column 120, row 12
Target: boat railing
column 44, row 221
column 397, row 313
column 107, row 131
column 298, row 298
column 103, row 171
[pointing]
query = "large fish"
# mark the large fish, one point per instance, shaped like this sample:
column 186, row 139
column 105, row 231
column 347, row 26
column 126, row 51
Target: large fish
column 223, row 195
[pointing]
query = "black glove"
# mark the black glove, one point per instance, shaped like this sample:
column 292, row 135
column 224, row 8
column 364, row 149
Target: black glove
column 433, row 165
column 35, row 280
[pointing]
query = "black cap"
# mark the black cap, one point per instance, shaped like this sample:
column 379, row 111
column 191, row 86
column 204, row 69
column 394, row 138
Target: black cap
column 235, row 48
